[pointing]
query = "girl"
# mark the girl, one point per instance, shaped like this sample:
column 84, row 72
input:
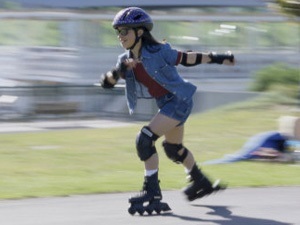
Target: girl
column 149, row 70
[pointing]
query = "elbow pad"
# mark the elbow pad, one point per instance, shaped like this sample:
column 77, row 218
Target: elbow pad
column 184, row 60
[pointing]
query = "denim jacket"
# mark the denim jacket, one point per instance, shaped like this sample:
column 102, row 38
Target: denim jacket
column 159, row 62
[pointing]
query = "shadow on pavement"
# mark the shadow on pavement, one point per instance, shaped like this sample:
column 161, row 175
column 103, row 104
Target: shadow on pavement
column 228, row 217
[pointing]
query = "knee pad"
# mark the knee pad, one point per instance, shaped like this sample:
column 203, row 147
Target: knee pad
column 171, row 151
column 144, row 143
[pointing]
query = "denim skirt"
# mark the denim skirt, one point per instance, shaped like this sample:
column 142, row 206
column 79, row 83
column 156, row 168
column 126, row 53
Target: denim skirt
column 171, row 106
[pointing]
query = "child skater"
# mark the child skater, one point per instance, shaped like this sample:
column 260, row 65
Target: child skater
column 149, row 70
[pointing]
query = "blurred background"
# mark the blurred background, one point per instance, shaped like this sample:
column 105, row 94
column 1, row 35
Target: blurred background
column 52, row 53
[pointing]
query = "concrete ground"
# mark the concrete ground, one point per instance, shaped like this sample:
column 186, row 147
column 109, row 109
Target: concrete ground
column 244, row 206
column 44, row 125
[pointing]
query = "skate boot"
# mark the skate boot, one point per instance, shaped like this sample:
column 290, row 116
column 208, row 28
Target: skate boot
column 200, row 185
column 149, row 200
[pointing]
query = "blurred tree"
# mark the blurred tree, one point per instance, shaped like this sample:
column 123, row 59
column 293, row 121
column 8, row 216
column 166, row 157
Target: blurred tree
column 5, row 4
column 290, row 6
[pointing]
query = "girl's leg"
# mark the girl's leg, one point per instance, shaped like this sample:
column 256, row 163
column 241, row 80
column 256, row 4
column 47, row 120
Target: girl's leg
column 159, row 125
column 163, row 125
column 175, row 136
column 175, row 149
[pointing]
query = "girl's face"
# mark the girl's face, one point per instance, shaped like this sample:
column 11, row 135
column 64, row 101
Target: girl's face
column 126, row 36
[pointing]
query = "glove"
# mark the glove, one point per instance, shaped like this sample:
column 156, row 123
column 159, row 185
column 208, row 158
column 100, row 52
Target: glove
column 219, row 58
column 104, row 81
column 114, row 73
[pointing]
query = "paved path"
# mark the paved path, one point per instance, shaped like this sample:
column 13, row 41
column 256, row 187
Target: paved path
column 245, row 206
column 37, row 126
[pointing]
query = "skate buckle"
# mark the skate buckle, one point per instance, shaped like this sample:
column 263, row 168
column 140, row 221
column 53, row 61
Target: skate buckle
column 216, row 183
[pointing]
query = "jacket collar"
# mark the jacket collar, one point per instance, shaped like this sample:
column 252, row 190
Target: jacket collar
column 145, row 53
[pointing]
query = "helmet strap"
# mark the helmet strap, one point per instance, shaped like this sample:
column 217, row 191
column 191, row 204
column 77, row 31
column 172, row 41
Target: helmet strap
column 137, row 38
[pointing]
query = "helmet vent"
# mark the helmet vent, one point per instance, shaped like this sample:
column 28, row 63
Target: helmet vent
column 137, row 17
column 125, row 15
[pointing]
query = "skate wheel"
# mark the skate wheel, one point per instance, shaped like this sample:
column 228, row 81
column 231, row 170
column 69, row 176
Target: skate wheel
column 157, row 211
column 141, row 211
column 149, row 211
column 149, row 208
column 131, row 211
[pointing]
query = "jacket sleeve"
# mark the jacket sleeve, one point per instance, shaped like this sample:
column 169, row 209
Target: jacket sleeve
column 121, row 58
column 169, row 54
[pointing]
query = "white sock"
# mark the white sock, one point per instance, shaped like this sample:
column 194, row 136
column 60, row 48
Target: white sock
column 149, row 173
column 187, row 171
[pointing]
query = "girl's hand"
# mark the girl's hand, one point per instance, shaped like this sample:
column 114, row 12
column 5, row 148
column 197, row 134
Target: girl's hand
column 229, row 62
column 131, row 63
column 226, row 58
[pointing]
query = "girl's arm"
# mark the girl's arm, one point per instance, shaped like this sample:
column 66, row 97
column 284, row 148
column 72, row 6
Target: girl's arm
column 195, row 58
column 110, row 78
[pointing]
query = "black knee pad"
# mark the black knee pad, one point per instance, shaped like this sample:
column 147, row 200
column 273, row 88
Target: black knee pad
column 171, row 151
column 144, row 143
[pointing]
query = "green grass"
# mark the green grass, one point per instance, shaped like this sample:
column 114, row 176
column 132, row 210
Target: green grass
column 29, row 33
column 65, row 162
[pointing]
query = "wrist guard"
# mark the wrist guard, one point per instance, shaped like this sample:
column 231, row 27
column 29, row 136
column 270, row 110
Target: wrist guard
column 219, row 58
column 115, row 74
column 104, row 82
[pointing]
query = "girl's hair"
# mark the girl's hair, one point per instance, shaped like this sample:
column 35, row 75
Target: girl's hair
column 150, row 42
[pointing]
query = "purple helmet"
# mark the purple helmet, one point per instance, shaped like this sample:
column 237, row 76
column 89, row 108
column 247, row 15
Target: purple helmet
column 133, row 17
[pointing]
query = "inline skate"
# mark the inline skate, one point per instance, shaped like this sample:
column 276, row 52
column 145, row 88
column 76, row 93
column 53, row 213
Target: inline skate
column 200, row 185
column 149, row 200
